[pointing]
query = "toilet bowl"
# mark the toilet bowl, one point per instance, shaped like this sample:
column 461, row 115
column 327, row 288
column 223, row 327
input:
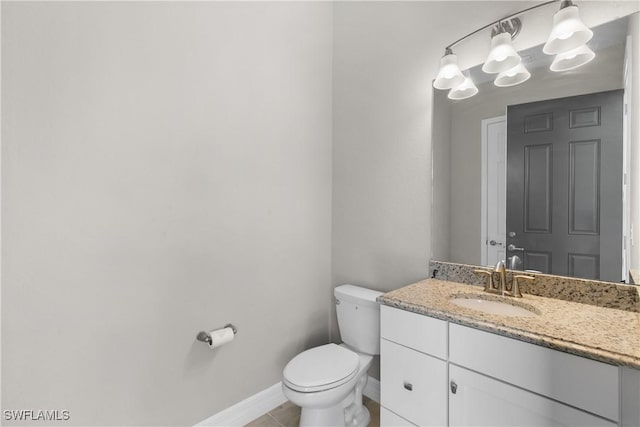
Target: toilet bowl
column 327, row 381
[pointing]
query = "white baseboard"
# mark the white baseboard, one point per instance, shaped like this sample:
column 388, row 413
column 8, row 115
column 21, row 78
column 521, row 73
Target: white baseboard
column 247, row 410
column 264, row 401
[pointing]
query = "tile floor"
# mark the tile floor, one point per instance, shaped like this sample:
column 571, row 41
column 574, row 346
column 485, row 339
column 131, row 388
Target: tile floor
column 288, row 415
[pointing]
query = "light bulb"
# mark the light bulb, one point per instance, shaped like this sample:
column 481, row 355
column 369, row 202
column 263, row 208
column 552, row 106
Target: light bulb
column 513, row 76
column 449, row 74
column 463, row 91
column 502, row 55
column 568, row 32
column 572, row 59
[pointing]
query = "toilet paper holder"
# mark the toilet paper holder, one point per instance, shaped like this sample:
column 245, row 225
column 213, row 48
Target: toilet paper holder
column 205, row 337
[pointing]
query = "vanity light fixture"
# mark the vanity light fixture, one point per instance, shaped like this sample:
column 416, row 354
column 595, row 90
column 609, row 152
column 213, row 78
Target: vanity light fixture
column 513, row 76
column 450, row 74
column 568, row 31
column 464, row 90
column 567, row 41
column 572, row 59
column 502, row 55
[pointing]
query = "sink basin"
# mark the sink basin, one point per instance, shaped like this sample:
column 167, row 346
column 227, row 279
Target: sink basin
column 490, row 306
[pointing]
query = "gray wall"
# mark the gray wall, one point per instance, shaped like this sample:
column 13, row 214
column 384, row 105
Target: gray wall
column 634, row 32
column 381, row 153
column 166, row 167
column 441, row 177
column 385, row 57
column 603, row 73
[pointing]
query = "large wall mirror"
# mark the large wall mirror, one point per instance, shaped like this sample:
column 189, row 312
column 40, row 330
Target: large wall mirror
column 497, row 194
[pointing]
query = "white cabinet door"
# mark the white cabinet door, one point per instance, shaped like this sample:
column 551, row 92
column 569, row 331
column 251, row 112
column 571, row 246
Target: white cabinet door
column 413, row 385
column 389, row 419
column 477, row 400
column 576, row 381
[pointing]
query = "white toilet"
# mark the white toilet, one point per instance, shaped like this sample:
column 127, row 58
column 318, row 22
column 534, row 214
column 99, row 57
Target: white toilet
column 327, row 381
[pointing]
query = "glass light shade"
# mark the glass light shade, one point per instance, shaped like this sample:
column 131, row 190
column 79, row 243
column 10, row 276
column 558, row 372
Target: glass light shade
column 512, row 77
column 568, row 32
column 572, row 59
column 449, row 75
column 463, row 91
column 502, row 56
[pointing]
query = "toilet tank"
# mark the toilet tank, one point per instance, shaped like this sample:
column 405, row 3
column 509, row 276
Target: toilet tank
column 358, row 318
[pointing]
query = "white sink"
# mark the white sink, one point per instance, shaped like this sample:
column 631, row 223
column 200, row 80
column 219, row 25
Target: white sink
column 489, row 306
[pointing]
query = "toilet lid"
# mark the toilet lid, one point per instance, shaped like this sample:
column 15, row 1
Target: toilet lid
column 321, row 368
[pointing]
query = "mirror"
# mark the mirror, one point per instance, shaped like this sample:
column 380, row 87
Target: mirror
column 463, row 208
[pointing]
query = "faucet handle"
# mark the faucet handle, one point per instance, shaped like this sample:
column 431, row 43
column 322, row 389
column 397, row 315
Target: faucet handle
column 515, row 288
column 488, row 284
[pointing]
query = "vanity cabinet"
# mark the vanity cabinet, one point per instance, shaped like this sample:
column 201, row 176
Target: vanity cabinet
column 434, row 372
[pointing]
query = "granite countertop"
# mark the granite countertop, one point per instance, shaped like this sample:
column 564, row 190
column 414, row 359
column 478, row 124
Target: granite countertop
column 605, row 334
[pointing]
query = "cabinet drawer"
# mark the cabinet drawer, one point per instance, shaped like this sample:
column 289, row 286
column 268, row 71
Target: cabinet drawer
column 389, row 419
column 419, row 332
column 580, row 382
column 413, row 385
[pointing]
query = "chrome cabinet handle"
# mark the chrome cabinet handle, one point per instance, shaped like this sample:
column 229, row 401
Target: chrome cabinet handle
column 494, row 243
column 513, row 247
column 454, row 387
column 408, row 386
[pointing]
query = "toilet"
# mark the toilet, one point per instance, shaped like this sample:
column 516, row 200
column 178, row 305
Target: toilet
column 327, row 381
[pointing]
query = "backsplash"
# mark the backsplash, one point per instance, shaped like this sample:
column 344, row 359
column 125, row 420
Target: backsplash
column 593, row 292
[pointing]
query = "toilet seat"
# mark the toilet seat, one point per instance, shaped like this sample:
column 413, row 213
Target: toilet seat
column 321, row 368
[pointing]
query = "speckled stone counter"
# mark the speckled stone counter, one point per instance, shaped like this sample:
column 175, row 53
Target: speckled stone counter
column 593, row 292
column 605, row 334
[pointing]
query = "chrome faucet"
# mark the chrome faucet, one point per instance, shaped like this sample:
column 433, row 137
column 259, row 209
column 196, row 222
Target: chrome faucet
column 513, row 262
column 502, row 286
column 490, row 284
column 502, row 276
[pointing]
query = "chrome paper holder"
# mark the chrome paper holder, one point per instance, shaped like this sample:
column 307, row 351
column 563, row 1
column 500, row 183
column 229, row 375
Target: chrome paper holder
column 205, row 337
